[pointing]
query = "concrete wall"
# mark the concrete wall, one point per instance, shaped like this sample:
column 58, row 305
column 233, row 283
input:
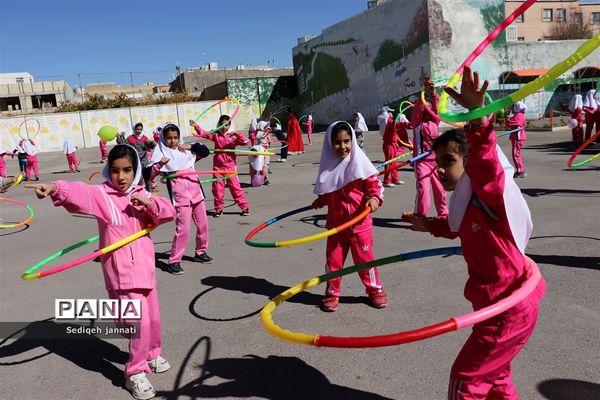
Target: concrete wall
column 50, row 130
column 194, row 82
column 364, row 62
column 452, row 45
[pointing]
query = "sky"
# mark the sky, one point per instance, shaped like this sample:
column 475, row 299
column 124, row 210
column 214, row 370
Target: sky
column 104, row 40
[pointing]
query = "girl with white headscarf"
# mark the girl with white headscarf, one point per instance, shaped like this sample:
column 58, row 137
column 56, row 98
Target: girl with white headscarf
column 575, row 108
column 121, row 208
column 360, row 128
column 185, row 192
column 592, row 113
column 491, row 217
column 252, row 130
column 28, row 147
column 347, row 183
column 518, row 138
column 69, row 150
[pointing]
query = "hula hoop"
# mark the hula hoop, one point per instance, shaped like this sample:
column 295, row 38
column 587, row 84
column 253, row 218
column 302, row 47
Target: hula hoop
column 30, row 273
column 39, row 126
column 179, row 174
column 401, row 110
column 391, row 160
column 579, row 150
column 507, row 133
column 452, row 324
column 284, row 144
column 426, row 104
column 583, row 51
column 302, row 117
column 92, row 175
column 226, row 99
column 276, row 119
column 305, row 239
column 25, row 221
column 18, row 180
column 248, row 152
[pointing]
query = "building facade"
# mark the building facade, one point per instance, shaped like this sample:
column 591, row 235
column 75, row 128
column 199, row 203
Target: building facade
column 379, row 57
column 20, row 94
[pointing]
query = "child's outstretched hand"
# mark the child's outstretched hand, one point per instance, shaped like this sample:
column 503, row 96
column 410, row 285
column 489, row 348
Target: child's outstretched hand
column 470, row 95
column 418, row 222
column 184, row 146
column 317, row 203
column 164, row 161
column 374, row 204
column 192, row 122
column 42, row 190
column 139, row 200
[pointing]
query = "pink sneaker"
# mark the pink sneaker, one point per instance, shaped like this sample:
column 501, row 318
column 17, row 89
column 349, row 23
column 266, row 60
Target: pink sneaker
column 330, row 303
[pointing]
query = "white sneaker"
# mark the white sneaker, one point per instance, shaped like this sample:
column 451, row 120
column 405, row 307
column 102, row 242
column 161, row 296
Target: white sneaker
column 283, row 160
column 389, row 185
column 400, row 182
column 140, row 386
column 159, row 365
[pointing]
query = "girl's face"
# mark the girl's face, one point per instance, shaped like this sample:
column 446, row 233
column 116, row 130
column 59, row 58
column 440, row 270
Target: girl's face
column 225, row 127
column 342, row 144
column 138, row 130
column 450, row 165
column 171, row 139
column 122, row 173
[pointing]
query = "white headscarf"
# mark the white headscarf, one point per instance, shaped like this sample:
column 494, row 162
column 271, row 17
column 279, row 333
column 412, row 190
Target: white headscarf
column 576, row 102
column 138, row 172
column 361, row 124
column 335, row 173
column 29, row 147
column 257, row 162
column 253, row 125
column 590, row 99
column 517, row 211
column 309, row 117
column 178, row 160
column 402, row 118
column 519, row 106
column 231, row 127
column 382, row 119
column 68, row 146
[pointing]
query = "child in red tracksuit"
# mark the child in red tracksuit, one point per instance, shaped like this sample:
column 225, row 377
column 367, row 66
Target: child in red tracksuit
column 69, row 149
column 103, row 151
column 517, row 138
column 391, row 149
column 576, row 111
column 592, row 110
column 225, row 138
column 347, row 183
column 491, row 217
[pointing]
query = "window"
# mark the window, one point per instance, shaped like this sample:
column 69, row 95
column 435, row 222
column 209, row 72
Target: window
column 547, row 15
column 561, row 15
column 595, row 18
column 521, row 38
column 511, row 33
column 520, row 18
column 578, row 18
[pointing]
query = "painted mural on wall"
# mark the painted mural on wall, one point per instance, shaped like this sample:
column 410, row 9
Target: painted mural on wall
column 374, row 59
column 50, row 130
column 450, row 45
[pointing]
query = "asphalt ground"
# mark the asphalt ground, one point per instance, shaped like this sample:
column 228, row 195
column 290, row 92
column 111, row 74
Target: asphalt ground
column 211, row 330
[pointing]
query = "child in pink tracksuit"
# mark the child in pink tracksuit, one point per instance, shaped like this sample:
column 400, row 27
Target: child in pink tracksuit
column 103, row 151
column 592, row 113
column 309, row 128
column 252, row 129
column 493, row 221
column 121, row 208
column 2, row 162
column 425, row 121
column 517, row 138
column 185, row 193
column 30, row 150
column 69, row 149
column 576, row 111
column 225, row 138
column 391, row 149
column 346, row 184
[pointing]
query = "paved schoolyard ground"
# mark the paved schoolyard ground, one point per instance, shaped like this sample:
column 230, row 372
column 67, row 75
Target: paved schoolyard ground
column 211, row 331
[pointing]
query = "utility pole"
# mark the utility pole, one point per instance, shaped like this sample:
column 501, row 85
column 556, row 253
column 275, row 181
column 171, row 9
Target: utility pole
column 81, row 88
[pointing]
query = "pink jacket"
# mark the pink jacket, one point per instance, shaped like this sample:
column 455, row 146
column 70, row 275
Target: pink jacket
column 425, row 121
column 131, row 266
column 103, row 146
column 223, row 160
column 514, row 122
column 495, row 264
column 349, row 201
column 184, row 190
